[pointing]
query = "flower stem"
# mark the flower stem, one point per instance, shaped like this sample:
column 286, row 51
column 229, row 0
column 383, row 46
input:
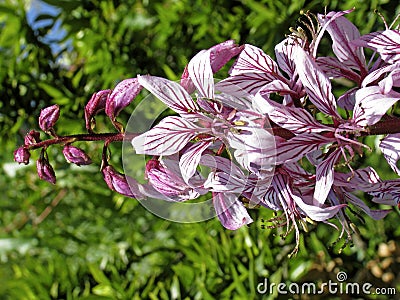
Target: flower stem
column 92, row 137
column 388, row 124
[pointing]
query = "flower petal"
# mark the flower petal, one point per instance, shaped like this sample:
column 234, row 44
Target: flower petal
column 284, row 53
column 253, row 147
column 200, row 72
column 190, row 159
column 243, row 85
column 390, row 147
column 169, row 92
column 316, row 84
column 342, row 32
column 165, row 177
column 297, row 120
column 374, row 214
column 371, row 104
column 298, row 146
column 254, row 60
column 166, row 138
column 231, row 212
column 386, row 43
column 324, row 178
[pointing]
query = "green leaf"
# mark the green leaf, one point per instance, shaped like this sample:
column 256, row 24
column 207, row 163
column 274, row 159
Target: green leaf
column 98, row 275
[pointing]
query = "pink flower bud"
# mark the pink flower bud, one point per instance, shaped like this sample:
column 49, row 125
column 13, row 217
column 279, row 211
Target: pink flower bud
column 21, row 155
column 96, row 104
column 45, row 170
column 186, row 82
column 32, row 137
column 122, row 96
column 120, row 183
column 222, row 53
column 48, row 117
column 76, row 155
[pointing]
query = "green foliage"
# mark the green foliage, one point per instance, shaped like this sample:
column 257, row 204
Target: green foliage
column 78, row 240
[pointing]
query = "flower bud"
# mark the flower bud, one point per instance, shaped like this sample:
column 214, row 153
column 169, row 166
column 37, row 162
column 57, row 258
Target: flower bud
column 122, row 96
column 76, row 155
column 33, row 137
column 222, row 53
column 48, row 117
column 45, row 170
column 96, row 104
column 166, row 178
column 186, row 82
column 121, row 183
column 21, row 155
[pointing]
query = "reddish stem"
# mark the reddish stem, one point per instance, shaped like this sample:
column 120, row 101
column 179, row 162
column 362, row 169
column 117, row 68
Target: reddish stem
column 107, row 137
column 386, row 125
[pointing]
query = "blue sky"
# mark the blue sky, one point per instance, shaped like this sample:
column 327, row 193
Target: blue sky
column 56, row 34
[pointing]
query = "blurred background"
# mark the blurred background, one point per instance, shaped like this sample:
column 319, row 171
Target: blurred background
column 77, row 239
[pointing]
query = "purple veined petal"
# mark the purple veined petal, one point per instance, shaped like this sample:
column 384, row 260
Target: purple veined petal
column 167, row 137
column 242, row 85
column 386, row 43
column 371, row 104
column 169, row 92
column 200, row 72
column 165, row 177
column 286, row 195
column 122, row 95
column 221, row 164
column 348, row 99
column 256, row 188
column 254, row 60
column 96, row 104
column 385, row 192
column 390, row 147
column 231, row 212
column 374, row 214
column 295, row 148
column 342, row 32
column 190, row 159
column 253, row 147
column 271, row 200
column 285, row 56
column 392, row 80
column 377, row 74
column 223, row 52
column 238, row 103
column 324, row 178
column 333, row 68
column 317, row 213
column 278, row 87
column 317, row 85
column 358, row 179
column 225, row 176
column 297, row 120
column 225, row 182
column 332, row 16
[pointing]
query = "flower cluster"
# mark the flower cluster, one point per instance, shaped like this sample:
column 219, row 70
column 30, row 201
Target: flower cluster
column 272, row 133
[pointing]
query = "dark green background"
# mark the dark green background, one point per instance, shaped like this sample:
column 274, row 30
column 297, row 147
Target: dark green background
column 78, row 240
